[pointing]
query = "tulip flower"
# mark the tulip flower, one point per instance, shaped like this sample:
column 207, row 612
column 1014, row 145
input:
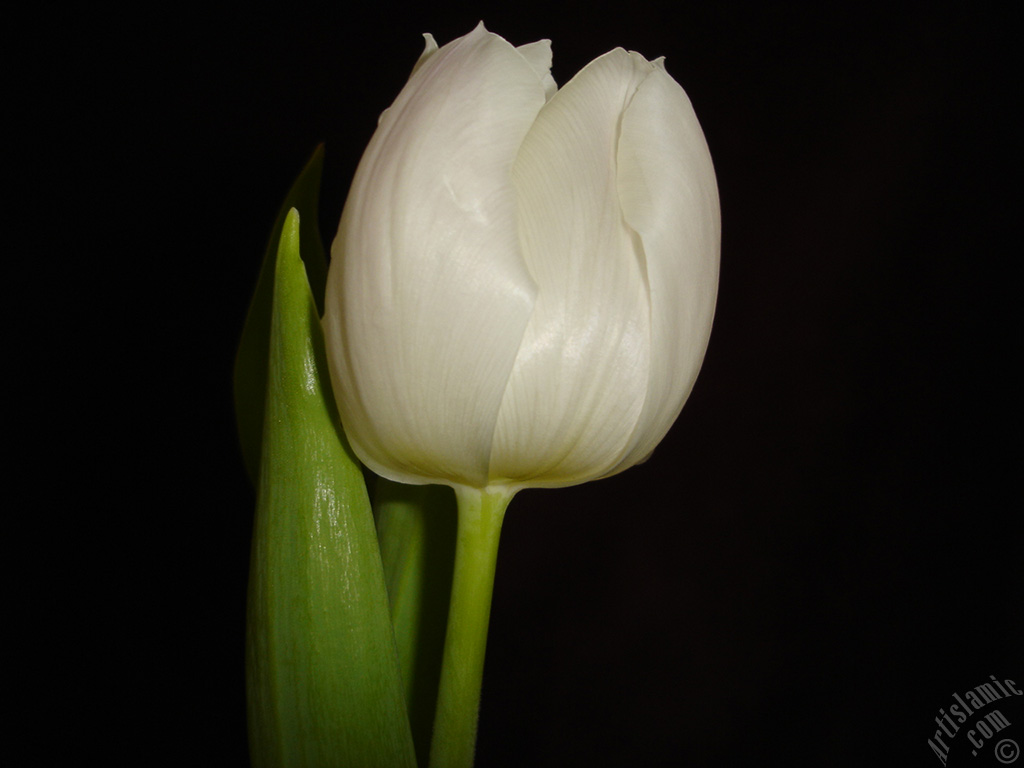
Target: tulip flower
column 521, row 292
column 524, row 279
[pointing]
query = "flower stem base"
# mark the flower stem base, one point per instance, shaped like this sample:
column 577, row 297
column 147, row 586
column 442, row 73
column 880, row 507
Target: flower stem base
column 476, row 550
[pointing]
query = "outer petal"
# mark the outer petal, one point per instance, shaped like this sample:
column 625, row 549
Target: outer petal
column 670, row 198
column 429, row 49
column 539, row 56
column 428, row 295
column 579, row 382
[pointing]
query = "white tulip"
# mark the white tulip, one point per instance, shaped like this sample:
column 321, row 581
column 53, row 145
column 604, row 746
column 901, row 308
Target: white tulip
column 523, row 282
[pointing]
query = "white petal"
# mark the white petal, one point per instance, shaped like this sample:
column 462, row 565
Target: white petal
column 539, row 56
column 429, row 49
column 580, row 379
column 428, row 294
column 670, row 198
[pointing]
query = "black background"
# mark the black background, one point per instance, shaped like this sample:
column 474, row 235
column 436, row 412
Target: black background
column 825, row 547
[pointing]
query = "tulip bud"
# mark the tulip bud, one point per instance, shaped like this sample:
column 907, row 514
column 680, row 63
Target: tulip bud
column 523, row 282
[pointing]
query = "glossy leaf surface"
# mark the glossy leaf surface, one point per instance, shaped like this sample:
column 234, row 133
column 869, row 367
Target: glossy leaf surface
column 324, row 683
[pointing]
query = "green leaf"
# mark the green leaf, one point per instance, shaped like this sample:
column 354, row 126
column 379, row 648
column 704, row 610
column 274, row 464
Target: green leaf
column 416, row 530
column 250, row 376
column 324, row 684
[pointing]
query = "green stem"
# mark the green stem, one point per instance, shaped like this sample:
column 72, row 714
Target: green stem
column 476, row 551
